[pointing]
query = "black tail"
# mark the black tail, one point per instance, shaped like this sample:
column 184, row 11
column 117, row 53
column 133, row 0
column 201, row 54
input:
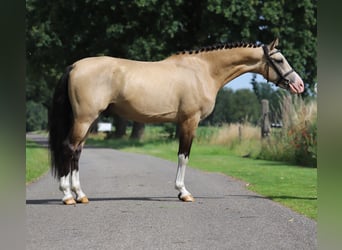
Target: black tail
column 60, row 122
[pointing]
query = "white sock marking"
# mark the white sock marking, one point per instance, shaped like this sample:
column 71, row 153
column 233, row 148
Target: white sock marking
column 180, row 186
column 64, row 186
column 76, row 185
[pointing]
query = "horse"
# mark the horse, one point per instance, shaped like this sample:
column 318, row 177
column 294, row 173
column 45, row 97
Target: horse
column 180, row 89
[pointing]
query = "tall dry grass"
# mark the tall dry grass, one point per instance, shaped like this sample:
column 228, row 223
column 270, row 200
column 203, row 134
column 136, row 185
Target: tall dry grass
column 243, row 139
column 295, row 142
column 229, row 133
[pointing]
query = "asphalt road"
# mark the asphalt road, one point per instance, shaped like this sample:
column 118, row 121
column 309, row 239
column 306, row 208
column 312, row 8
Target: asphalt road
column 133, row 205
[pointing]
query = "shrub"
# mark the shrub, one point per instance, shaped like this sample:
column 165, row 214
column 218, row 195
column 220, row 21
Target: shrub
column 297, row 142
column 304, row 141
column 170, row 130
column 276, row 148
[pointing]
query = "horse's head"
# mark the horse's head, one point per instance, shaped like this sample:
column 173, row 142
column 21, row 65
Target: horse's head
column 279, row 71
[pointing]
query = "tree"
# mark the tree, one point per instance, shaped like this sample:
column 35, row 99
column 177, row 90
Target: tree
column 222, row 112
column 246, row 107
column 235, row 106
column 264, row 90
column 120, row 125
column 56, row 36
column 137, row 130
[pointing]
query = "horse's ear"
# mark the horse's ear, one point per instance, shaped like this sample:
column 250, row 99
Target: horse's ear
column 273, row 44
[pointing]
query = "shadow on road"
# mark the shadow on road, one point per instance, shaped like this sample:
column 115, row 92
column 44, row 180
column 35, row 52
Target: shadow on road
column 59, row 202
column 284, row 197
column 271, row 197
column 160, row 199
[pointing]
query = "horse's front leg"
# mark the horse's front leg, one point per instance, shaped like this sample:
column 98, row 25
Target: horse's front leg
column 184, row 194
column 187, row 133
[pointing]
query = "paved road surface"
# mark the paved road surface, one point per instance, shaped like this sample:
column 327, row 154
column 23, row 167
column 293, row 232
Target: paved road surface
column 133, row 205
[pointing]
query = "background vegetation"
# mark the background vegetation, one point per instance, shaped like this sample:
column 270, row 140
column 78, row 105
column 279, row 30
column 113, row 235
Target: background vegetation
column 61, row 32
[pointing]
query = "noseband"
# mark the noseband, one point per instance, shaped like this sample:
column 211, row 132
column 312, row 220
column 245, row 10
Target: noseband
column 282, row 81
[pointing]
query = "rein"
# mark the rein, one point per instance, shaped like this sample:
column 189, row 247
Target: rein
column 270, row 61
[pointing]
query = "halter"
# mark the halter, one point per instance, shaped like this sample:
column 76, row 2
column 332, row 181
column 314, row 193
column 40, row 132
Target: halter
column 270, row 61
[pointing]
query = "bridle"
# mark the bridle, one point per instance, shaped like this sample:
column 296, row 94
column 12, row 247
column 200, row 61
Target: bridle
column 282, row 81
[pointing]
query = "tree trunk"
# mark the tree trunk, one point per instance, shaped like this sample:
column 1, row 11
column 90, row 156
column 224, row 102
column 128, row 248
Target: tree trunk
column 137, row 130
column 120, row 125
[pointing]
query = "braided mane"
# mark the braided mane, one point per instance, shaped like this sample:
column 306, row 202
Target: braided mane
column 219, row 47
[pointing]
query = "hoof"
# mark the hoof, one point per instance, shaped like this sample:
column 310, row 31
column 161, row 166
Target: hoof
column 186, row 198
column 69, row 201
column 83, row 200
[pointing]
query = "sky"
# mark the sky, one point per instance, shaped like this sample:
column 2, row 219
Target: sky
column 243, row 81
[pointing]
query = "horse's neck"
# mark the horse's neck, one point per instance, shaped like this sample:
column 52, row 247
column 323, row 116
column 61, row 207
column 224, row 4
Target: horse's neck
column 226, row 64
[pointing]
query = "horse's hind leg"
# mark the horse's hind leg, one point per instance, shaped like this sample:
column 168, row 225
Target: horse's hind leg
column 64, row 184
column 75, row 177
column 71, row 181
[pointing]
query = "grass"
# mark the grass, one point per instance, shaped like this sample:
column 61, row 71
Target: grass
column 290, row 185
column 37, row 162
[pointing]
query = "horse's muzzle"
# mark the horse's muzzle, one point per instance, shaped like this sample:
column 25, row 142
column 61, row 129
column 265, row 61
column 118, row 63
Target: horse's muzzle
column 296, row 86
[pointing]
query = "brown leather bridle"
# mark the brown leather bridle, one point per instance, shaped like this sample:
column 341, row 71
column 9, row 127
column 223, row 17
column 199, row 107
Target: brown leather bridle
column 282, row 81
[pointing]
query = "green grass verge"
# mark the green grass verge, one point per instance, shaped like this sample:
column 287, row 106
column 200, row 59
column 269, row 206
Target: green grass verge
column 290, row 185
column 37, row 162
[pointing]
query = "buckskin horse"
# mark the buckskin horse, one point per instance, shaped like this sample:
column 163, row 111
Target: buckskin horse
column 181, row 89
